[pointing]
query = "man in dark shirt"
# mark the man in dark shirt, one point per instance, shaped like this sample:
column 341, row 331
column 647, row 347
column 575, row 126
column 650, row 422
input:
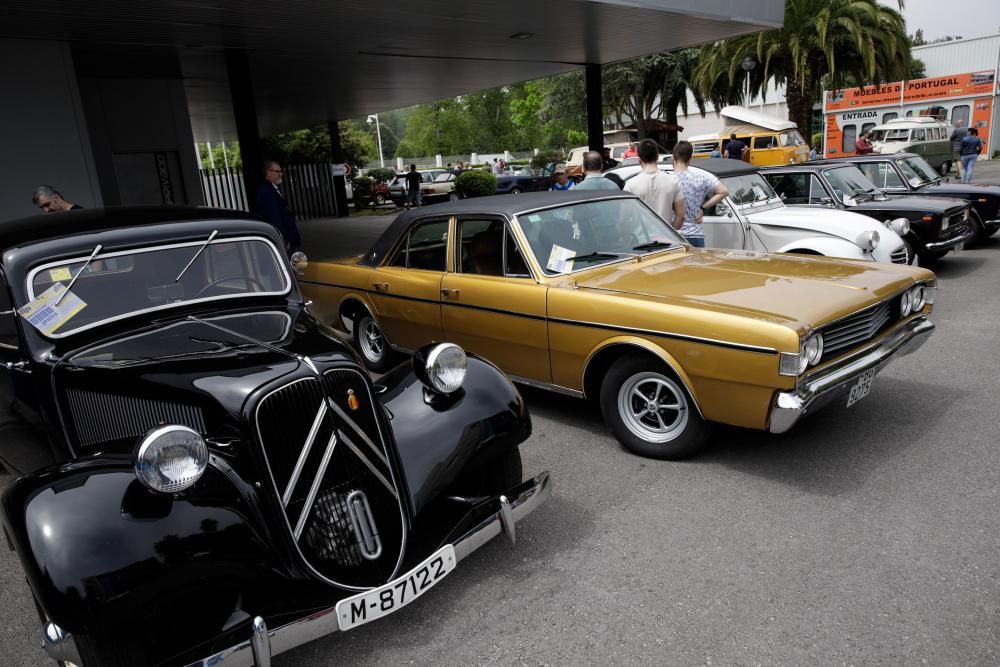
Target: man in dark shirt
column 736, row 149
column 608, row 162
column 413, row 180
column 49, row 200
column 270, row 205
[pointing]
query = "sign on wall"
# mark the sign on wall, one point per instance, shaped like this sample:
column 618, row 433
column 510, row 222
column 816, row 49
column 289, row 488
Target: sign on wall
column 935, row 88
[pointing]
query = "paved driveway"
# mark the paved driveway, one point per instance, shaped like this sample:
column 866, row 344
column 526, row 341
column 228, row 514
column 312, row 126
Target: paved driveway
column 864, row 536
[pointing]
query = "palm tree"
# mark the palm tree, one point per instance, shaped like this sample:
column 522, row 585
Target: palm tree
column 822, row 42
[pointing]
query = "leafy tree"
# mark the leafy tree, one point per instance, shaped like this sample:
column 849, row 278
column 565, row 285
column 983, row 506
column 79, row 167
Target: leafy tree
column 822, row 43
column 356, row 142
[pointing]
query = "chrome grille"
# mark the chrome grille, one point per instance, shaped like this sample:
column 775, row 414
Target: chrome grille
column 321, row 453
column 898, row 256
column 855, row 329
column 100, row 417
column 958, row 225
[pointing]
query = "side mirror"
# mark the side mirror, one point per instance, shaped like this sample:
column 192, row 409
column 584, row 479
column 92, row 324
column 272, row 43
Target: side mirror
column 720, row 209
column 826, row 201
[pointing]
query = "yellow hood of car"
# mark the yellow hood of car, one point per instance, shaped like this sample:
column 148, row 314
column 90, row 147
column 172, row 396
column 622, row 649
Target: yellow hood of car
column 787, row 289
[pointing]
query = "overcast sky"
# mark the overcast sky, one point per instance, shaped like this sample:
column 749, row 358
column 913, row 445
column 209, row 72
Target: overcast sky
column 968, row 18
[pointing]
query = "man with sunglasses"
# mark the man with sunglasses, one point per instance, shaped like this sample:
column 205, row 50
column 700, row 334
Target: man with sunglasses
column 270, row 205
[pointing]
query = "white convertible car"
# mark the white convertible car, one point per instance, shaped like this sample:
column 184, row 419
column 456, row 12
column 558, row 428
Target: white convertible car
column 753, row 217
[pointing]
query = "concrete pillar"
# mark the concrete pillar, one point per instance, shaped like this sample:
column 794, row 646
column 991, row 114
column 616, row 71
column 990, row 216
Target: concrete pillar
column 595, row 109
column 506, row 156
column 437, row 161
column 399, row 164
column 474, row 159
column 245, row 115
column 339, row 180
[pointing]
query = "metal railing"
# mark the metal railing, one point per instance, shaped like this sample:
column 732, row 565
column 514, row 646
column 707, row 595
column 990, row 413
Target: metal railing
column 308, row 189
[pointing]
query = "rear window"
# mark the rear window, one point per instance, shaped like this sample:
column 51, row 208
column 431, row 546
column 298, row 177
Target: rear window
column 121, row 284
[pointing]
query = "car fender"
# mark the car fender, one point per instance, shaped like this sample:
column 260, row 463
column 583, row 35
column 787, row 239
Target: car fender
column 102, row 551
column 346, row 304
column 644, row 344
column 441, row 437
column 827, row 246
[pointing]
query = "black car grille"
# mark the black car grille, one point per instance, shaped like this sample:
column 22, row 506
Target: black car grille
column 899, row 256
column 958, row 225
column 347, row 459
column 858, row 328
column 99, row 417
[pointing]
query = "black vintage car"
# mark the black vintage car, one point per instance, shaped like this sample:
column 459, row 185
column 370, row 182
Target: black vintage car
column 207, row 475
column 909, row 174
column 524, row 179
column 930, row 227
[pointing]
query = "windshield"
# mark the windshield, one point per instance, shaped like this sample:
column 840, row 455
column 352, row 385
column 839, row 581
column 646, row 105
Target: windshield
column 579, row 236
column 912, row 176
column 919, row 167
column 121, row 284
column 749, row 189
column 441, row 178
column 849, row 181
column 886, row 136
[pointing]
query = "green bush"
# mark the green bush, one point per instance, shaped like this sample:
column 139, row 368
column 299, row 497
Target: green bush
column 817, row 142
column 545, row 158
column 519, row 163
column 475, row 184
column 381, row 174
column 362, row 186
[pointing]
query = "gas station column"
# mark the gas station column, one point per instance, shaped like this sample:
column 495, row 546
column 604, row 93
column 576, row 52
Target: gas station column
column 595, row 108
column 245, row 115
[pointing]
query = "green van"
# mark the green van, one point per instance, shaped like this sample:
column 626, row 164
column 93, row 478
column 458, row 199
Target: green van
column 928, row 137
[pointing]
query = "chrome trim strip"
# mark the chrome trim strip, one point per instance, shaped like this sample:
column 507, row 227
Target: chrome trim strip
column 667, row 334
column 260, row 642
column 362, row 523
column 304, row 454
column 814, row 391
column 538, row 384
column 314, row 489
column 357, row 430
column 950, row 243
column 260, row 239
column 364, row 459
column 525, row 498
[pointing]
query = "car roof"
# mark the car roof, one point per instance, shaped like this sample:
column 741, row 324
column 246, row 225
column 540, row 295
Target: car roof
column 871, row 156
column 52, row 225
column 811, row 164
column 722, row 166
column 505, row 205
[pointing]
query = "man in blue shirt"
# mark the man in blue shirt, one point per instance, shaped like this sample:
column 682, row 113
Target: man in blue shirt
column 560, row 182
column 593, row 180
column 969, row 151
column 736, row 149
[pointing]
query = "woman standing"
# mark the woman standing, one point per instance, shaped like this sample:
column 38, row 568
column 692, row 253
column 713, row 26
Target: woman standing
column 969, row 152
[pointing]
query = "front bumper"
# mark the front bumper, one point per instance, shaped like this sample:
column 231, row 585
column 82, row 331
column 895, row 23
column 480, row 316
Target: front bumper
column 952, row 242
column 835, row 381
column 264, row 643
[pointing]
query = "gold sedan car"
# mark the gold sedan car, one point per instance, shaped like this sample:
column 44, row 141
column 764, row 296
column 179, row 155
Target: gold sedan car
column 593, row 295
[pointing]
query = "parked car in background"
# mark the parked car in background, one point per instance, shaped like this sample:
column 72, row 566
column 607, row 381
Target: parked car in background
column 753, row 217
column 935, row 225
column 526, row 180
column 910, row 174
column 442, row 188
column 574, row 162
column 397, row 189
column 206, row 473
column 591, row 294
column 920, row 135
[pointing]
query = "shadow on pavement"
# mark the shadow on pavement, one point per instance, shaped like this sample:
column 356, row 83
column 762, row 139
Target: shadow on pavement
column 957, row 266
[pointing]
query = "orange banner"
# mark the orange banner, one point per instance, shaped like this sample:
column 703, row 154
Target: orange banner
column 955, row 85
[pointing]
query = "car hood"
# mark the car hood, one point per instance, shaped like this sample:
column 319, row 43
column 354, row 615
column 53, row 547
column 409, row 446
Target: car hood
column 962, row 189
column 828, row 221
column 910, row 204
column 798, row 291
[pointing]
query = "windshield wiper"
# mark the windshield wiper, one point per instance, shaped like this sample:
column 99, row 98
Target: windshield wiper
column 597, row 255
column 211, row 237
column 83, row 268
column 655, row 244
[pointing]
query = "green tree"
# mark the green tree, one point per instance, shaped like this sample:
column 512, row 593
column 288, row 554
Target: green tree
column 822, row 43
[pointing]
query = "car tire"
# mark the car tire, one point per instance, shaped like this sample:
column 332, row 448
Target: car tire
column 380, row 199
column 453, row 196
column 911, row 254
column 372, row 344
column 944, row 168
column 978, row 228
column 632, row 402
column 515, row 191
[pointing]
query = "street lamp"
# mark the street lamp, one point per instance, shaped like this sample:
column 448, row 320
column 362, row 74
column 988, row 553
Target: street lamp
column 378, row 133
column 748, row 63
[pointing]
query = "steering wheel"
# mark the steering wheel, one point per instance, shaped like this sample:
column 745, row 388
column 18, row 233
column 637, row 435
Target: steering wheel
column 247, row 279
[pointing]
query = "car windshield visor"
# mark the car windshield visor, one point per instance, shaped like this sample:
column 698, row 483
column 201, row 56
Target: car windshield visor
column 849, row 182
column 600, row 231
column 120, row 284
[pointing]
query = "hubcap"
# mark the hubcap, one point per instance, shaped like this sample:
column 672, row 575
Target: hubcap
column 653, row 407
column 371, row 340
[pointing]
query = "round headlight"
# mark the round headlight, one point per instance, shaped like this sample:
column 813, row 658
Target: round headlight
column 171, row 458
column 444, row 367
column 917, row 300
column 906, row 303
column 901, row 226
column 868, row 240
column 813, row 349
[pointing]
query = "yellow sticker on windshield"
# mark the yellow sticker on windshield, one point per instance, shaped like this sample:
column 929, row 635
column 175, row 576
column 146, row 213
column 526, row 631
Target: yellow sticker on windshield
column 47, row 312
column 60, row 274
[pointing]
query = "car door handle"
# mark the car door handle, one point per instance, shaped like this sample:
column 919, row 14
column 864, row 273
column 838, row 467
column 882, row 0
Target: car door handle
column 446, row 293
column 381, row 287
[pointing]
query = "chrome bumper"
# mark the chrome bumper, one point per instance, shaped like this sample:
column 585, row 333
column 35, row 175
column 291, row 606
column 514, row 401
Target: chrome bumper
column 951, row 243
column 263, row 643
column 830, row 383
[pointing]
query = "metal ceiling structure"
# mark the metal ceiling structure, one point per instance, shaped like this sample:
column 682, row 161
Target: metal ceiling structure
column 312, row 61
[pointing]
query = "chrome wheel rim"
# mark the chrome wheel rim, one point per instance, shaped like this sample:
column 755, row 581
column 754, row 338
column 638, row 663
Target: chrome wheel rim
column 653, row 407
column 371, row 340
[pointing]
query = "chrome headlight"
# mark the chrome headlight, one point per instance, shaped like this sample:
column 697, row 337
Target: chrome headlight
column 809, row 354
column 171, row 458
column 299, row 262
column 868, row 241
column 906, row 303
column 813, row 349
column 900, row 225
column 441, row 367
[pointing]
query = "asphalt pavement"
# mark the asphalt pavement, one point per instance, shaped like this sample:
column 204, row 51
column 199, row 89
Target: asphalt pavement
column 865, row 536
